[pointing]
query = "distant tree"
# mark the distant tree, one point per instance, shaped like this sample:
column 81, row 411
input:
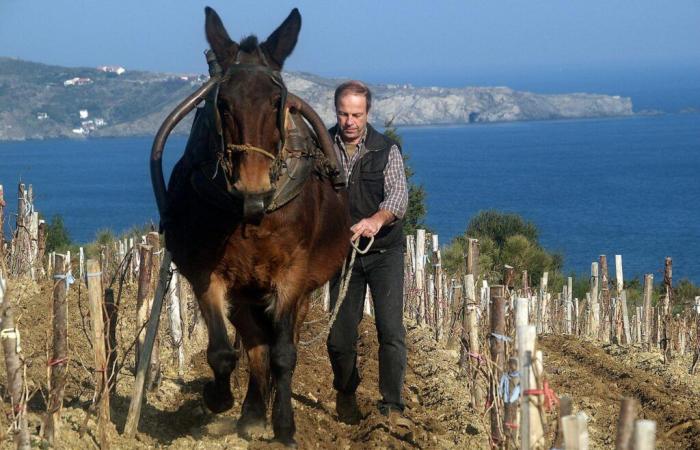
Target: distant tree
column 416, row 210
column 57, row 237
column 505, row 239
column 500, row 226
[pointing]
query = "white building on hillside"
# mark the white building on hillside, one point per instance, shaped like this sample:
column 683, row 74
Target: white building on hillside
column 112, row 69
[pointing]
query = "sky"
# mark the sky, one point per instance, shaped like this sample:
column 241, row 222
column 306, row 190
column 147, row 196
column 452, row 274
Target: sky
column 542, row 45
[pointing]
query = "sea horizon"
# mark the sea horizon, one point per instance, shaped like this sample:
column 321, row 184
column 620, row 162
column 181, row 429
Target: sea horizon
column 488, row 146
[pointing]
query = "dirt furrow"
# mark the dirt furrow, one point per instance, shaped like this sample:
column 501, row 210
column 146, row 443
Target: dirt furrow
column 596, row 379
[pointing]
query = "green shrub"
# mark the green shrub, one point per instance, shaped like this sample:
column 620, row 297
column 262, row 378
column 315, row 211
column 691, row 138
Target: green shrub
column 57, row 237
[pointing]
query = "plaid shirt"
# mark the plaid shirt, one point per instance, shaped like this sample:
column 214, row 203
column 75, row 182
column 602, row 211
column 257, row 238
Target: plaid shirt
column 395, row 188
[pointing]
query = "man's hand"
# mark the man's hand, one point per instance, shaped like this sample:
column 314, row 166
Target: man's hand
column 370, row 226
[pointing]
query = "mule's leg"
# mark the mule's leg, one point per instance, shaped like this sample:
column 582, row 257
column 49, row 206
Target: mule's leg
column 220, row 354
column 254, row 328
column 283, row 359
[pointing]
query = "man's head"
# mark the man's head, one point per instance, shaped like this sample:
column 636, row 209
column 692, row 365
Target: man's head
column 352, row 102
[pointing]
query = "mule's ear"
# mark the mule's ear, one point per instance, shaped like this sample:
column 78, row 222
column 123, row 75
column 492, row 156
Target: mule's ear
column 281, row 42
column 219, row 40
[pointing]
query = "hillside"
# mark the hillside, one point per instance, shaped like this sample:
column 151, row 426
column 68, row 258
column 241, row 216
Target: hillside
column 39, row 101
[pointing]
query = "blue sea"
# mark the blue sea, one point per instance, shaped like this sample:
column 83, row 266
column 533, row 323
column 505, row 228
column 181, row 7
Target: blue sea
column 628, row 186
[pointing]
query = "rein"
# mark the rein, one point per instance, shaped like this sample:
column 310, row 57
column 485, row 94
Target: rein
column 345, row 276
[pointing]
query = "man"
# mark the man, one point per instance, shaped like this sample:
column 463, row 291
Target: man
column 378, row 199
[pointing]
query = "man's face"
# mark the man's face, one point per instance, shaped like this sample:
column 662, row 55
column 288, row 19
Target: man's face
column 351, row 112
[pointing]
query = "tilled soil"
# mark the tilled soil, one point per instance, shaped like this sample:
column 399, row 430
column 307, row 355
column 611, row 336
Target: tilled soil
column 598, row 376
column 174, row 416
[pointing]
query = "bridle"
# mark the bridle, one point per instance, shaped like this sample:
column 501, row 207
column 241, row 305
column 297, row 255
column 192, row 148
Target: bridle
column 228, row 148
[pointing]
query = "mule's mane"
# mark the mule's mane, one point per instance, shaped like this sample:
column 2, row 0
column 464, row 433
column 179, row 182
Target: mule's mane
column 249, row 44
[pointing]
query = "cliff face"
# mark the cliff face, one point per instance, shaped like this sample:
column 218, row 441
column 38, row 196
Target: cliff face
column 38, row 101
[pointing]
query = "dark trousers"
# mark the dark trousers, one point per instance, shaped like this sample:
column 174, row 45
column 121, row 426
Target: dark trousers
column 383, row 272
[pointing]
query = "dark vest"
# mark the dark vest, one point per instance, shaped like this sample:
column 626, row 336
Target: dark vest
column 366, row 188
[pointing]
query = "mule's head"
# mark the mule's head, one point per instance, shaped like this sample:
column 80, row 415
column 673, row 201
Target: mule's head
column 250, row 103
column 247, row 109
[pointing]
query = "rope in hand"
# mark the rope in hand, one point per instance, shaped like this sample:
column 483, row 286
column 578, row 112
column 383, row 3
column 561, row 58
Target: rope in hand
column 345, row 275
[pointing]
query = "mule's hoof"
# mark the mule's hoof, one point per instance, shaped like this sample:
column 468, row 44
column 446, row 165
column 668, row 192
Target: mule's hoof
column 247, row 428
column 217, row 400
column 287, row 442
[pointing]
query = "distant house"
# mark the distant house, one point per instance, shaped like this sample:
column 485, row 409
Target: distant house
column 112, row 69
column 42, row 116
column 100, row 122
column 83, row 113
column 77, row 81
column 88, row 125
column 81, row 131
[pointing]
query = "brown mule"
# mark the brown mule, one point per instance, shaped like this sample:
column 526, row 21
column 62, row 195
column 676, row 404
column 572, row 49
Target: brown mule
column 255, row 216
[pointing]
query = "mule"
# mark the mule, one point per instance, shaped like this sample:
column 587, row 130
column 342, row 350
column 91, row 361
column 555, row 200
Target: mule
column 255, row 216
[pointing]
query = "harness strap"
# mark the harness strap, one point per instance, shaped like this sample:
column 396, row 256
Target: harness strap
column 244, row 148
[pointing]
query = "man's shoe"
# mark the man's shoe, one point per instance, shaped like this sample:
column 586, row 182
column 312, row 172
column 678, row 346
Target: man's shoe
column 347, row 409
column 398, row 423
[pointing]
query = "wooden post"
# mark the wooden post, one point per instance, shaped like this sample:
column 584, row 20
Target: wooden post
column 19, row 265
column 153, row 378
column 14, row 382
column 175, row 320
column 616, row 324
column 531, row 428
column 508, row 278
column 132, row 420
column 625, row 424
column 142, row 295
column 470, row 358
column 2, row 228
column 521, row 317
column 497, row 347
column 667, row 307
column 59, row 359
column 696, row 355
column 644, row 435
column 638, row 324
column 542, row 304
column 575, row 428
column 473, row 258
column 94, row 284
column 439, row 299
column 570, row 305
column 41, row 248
column 646, row 311
column 525, row 283
column 420, row 275
column 455, row 312
column 110, row 319
column 595, row 308
column 34, row 261
column 565, row 409
column 604, row 298
column 81, row 262
column 326, row 297
column 430, row 301
column 511, row 419
column 409, row 305
column 625, row 318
